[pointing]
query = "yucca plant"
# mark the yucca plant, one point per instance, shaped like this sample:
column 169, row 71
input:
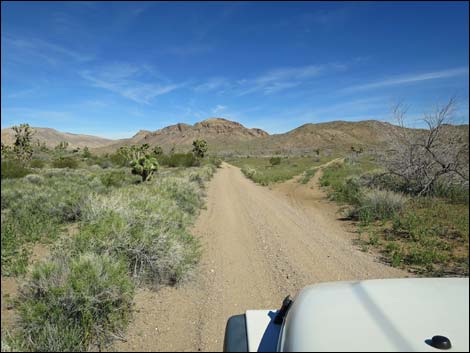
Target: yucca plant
column 144, row 166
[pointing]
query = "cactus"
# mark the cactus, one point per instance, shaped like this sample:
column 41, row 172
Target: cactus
column 157, row 151
column 144, row 166
column 199, row 148
column 23, row 137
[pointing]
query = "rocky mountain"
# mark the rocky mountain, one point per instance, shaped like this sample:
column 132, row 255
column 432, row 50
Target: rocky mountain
column 218, row 132
column 52, row 138
column 227, row 137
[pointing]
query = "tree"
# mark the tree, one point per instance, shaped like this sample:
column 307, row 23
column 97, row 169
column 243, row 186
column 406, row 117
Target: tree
column 144, row 166
column 275, row 161
column 199, row 148
column 423, row 158
column 61, row 148
column 23, row 142
column 140, row 160
column 6, row 151
column 133, row 152
column 157, row 151
column 86, row 152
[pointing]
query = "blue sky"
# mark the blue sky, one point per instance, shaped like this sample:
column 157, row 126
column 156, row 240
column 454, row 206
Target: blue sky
column 110, row 69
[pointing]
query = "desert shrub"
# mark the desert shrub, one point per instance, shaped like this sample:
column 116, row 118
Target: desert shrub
column 65, row 162
column 36, row 208
column 275, row 160
column 145, row 224
column 181, row 160
column 119, row 160
column 114, row 178
column 105, row 163
column 72, row 304
column 377, row 179
column 216, row 161
column 377, row 204
column 14, row 169
column 456, row 193
column 37, row 163
column 249, row 172
column 308, row 174
column 14, row 257
column 34, row 179
column 347, row 192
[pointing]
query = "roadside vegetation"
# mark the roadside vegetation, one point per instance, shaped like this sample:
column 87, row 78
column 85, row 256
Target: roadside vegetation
column 267, row 170
column 131, row 217
column 412, row 202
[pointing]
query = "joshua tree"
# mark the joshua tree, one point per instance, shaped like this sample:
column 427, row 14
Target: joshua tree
column 61, row 148
column 86, row 152
column 199, row 148
column 6, row 151
column 157, row 151
column 144, row 166
column 23, row 141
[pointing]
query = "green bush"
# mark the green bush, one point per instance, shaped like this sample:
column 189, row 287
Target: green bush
column 217, row 162
column 348, row 192
column 14, row 169
column 37, row 163
column 117, row 178
column 72, row 304
column 308, row 174
column 119, row 160
column 65, row 162
column 378, row 205
column 34, row 179
column 275, row 160
column 147, row 225
column 180, row 160
column 36, row 208
column 456, row 193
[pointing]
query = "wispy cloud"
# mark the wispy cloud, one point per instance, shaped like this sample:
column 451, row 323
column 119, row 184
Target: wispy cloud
column 218, row 109
column 400, row 80
column 270, row 82
column 213, row 84
column 129, row 81
column 45, row 50
column 281, row 79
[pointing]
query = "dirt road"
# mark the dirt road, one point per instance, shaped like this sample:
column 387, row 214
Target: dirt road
column 260, row 245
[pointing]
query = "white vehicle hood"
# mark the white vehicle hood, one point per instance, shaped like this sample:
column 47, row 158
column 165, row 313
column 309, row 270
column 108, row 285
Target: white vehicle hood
column 378, row 315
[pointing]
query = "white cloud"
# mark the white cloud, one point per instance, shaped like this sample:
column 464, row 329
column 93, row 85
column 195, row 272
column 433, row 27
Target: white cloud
column 410, row 79
column 219, row 109
column 45, row 50
column 280, row 79
column 212, row 84
column 273, row 81
column 130, row 82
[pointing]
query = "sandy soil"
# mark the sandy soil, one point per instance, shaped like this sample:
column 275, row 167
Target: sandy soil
column 260, row 245
column 10, row 286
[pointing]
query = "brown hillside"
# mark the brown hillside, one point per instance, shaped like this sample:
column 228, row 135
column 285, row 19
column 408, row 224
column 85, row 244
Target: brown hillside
column 227, row 137
column 53, row 137
column 218, row 132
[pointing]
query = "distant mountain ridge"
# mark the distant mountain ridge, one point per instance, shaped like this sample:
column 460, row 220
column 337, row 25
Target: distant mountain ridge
column 53, row 137
column 227, row 137
column 217, row 132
